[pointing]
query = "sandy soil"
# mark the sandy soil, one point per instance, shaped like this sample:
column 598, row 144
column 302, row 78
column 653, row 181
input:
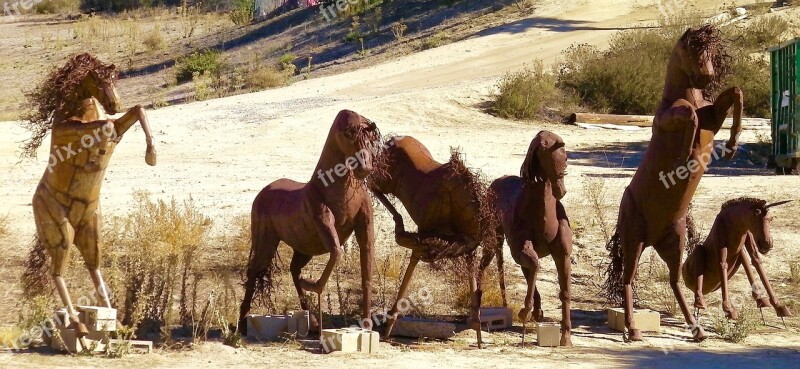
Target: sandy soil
column 222, row 152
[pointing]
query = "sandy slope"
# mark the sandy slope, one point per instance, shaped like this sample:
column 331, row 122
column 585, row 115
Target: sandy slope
column 222, row 152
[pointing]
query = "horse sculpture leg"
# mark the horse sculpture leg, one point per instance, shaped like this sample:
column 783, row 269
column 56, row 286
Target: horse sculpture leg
column 561, row 255
column 476, row 294
column 699, row 255
column 730, row 311
column 299, row 261
column 529, row 262
column 762, row 300
column 57, row 234
column 412, row 264
column 780, row 309
column 670, row 249
column 681, row 116
column 365, row 236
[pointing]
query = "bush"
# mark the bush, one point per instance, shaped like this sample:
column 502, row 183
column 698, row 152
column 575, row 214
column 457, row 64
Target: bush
column 151, row 254
column 154, row 40
column 525, row 94
column 736, row 331
column 435, row 40
column 242, row 11
column 200, row 62
column 57, row 6
column 628, row 78
column 265, row 77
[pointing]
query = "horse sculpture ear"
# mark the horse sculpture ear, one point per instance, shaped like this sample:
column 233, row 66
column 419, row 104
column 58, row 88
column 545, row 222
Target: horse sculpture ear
column 531, row 170
column 778, row 203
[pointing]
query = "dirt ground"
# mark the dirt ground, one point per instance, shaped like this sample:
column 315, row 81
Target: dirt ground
column 222, row 152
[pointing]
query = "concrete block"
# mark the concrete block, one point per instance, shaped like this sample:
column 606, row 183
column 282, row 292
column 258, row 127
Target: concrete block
column 266, row 327
column 495, row 318
column 366, row 341
column 646, row 320
column 96, row 318
column 548, row 334
column 418, row 328
column 344, row 340
column 299, row 323
column 68, row 340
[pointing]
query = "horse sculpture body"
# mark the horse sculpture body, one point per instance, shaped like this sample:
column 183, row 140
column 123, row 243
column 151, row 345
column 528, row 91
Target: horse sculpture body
column 740, row 233
column 74, row 103
column 534, row 222
column 654, row 205
column 315, row 218
column 445, row 201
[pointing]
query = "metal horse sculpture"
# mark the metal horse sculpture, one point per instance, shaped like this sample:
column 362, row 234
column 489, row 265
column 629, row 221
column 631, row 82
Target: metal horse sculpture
column 315, row 218
column 739, row 234
column 535, row 223
column 654, row 205
column 74, row 104
column 446, row 202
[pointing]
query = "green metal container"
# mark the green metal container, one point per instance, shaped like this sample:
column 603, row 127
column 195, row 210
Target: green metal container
column 786, row 106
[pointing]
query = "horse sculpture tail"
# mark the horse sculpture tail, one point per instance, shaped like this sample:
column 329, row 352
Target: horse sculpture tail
column 262, row 262
column 36, row 274
column 613, row 287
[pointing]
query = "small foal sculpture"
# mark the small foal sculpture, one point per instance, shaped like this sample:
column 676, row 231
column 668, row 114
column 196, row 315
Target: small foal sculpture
column 741, row 232
column 315, row 218
column 74, row 104
column 446, row 202
column 535, row 223
column 654, row 205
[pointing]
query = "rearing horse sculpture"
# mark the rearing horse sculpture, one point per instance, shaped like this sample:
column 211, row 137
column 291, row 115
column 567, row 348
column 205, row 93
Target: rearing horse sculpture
column 446, row 202
column 535, row 223
column 74, row 103
column 739, row 235
column 654, row 205
column 315, row 218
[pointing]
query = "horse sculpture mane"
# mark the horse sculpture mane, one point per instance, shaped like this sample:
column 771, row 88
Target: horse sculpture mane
column 59, row 92
column 744, row 201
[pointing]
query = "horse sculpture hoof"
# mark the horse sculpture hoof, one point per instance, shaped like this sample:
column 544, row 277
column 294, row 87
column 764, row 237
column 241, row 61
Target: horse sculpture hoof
column 763, row 302
column 732, row 314
column 538, row 315
column 310, row 285
column 79, row 327
column 699, row 334
column 700, row 303
column 524, row 315
column 635, row 335
column 782, row 311
column 566, row 340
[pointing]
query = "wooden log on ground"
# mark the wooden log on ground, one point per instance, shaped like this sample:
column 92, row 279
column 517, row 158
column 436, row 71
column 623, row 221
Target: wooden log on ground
column 647, row 120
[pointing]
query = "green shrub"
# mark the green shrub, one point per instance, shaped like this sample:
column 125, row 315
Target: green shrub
column 265, row 77
column 628, row 77
column 200, row 62
column 737, row 330
column 524, row 94
column 435, row 40
column 242, row 11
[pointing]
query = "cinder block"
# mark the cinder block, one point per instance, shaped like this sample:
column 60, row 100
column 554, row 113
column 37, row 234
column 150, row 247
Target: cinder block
column 368, row 341
column 646, row 320
column 266, row 327
column 299, row 323
column 344, row 340
column 494, row 318
column 96, row 341
column 418, row 328
column 96, row 318
column 548, row 334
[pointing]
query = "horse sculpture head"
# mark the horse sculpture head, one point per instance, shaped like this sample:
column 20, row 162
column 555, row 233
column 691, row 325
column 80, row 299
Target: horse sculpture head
column 359, row 141
column 700, row 54
column 546, row 161
column 751, row 216
column 62, row 94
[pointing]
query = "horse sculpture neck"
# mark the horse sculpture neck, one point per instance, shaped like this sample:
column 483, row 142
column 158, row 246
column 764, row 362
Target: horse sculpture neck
column 408, row 163
column 332, row 177
column 541, row 205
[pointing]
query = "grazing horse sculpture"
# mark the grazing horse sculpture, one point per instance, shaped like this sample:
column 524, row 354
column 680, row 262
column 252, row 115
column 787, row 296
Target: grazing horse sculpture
column 654, row 205
column 739, row 234
column 315, row 218
column 535, row 223
column 74, row 104
column 446, row 202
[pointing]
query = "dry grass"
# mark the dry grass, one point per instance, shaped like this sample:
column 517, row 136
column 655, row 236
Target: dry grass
column 735, row 330
column 4, row 227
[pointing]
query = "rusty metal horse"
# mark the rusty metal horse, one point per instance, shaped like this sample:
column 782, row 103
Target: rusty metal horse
column 315, row 218
column 535, row 223
column 739, row 235
column 654, row 205
column 446, row 202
